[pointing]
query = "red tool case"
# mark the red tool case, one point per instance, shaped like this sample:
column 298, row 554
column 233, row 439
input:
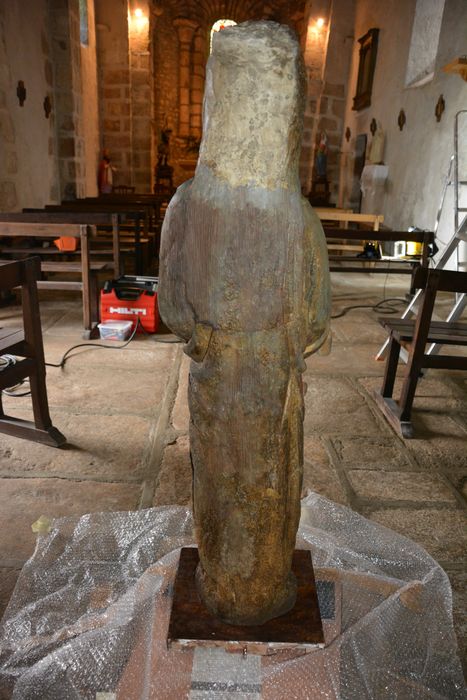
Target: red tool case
column 130, row 298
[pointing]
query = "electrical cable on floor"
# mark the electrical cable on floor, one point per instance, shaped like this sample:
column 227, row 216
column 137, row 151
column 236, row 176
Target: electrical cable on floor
column 9, row 360
column 379, row 307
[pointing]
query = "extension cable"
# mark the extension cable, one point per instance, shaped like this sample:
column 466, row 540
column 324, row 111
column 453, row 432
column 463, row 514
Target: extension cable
column 9, row 360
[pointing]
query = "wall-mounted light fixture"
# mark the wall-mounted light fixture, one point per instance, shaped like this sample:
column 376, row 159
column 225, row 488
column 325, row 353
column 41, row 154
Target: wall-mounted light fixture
column 320, row 22
column 138, row 13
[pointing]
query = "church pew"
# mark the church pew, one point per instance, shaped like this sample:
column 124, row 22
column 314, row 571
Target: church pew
column 385, row 265
column 85, row 269
column 102, row 221
column 134, row 224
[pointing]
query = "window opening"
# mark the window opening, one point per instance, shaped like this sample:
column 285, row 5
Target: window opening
column 83, row 22
column 424, row 42
column 218, row 27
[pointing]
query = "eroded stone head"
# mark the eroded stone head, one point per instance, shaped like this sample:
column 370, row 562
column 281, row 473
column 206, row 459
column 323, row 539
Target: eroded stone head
column 253, row 106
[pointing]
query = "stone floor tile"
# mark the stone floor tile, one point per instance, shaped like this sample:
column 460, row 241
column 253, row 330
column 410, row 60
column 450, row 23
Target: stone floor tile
column 24, row 500
column 99, row 447
column 318, row 473
column 442, row 532
column 438, row 435
column 180, row 413
column 143, row 354
column 361, row 330
column 458, row 580
column 433, row 393
column 70, row 324
column 174, row 479
column 109, row 390
column 371, row 452
column 399, row 486
column 346, row 360
column 334, row 407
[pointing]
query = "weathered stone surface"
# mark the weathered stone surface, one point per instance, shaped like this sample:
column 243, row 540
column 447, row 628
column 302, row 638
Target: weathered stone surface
column 443, row 533
column 367, row 453
column 174, row 479
column 181, row 413
column 247, row 325
column 24, row 500
column 127, row 391
column 399, row 486
column 335, row 407
column 458, row 579
column 318, row 473
column 112, row 448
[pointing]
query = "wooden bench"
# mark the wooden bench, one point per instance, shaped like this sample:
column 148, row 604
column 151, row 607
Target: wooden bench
column 134, row 224
column 102, row 221
column 340, row 219
column 346, row 263
column 418, row 333
column 26, row 343
column 88, row 270
column 344, row 240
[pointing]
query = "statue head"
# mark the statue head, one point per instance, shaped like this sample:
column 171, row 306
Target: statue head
column 253, row 106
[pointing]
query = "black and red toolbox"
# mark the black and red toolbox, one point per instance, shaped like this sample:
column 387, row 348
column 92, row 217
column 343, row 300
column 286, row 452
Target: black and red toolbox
column 129, row 299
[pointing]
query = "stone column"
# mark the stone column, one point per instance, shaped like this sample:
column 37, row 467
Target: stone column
column 197, row 83
column 185, row 29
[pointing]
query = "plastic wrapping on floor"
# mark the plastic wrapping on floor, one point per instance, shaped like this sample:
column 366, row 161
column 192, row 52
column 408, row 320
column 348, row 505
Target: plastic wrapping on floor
column 89, row 615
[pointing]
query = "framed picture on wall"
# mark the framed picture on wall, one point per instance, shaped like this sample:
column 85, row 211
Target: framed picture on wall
column 366, row 69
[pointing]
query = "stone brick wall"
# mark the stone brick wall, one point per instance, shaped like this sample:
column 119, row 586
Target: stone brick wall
column 114, row 85
column 8, row 156
column 327, row 58
column 28, row 149
column 125, row 76
column 141, row 100
column 64, row 18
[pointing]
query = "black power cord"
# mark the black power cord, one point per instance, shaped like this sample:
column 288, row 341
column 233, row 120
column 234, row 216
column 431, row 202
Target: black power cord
column 378, row 308
column 9, row 360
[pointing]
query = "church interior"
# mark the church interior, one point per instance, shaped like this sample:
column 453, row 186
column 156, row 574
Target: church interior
column 109, row 93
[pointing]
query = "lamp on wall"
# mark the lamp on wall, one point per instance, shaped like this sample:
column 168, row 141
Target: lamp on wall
column 320, row 22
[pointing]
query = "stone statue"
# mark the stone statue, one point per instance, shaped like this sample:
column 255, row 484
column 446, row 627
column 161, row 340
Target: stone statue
column 321, row 161
column 376, row 153
column 244, row 281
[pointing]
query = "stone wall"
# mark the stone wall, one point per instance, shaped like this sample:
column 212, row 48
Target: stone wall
column 28, row 173
column 91, row 134
column 65, row 37
column 125, row 72
column 327, row 55
column 418, row 156
column 114, row 84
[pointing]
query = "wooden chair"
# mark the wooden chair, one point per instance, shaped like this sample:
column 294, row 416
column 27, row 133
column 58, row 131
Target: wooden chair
column 418, row 333
column 26, row 343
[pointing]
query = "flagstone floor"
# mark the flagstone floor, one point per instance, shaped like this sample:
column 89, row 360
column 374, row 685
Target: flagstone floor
column 125, row 416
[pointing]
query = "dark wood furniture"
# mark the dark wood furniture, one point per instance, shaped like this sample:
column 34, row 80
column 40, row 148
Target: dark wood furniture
column 384, row 265
column 84, row 269
column 102, row 222
column 135, row 222
column 26, row 343
column 418, row 333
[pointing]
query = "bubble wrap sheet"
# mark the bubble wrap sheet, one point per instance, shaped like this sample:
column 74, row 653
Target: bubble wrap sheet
column 89, row 615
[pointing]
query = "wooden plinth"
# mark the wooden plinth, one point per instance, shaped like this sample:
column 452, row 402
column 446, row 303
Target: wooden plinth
column 191, row 624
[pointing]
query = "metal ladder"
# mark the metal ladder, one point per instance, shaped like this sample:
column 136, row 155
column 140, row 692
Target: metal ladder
column 452, row 247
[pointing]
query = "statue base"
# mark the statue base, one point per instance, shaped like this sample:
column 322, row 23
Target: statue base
column 192, row 625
